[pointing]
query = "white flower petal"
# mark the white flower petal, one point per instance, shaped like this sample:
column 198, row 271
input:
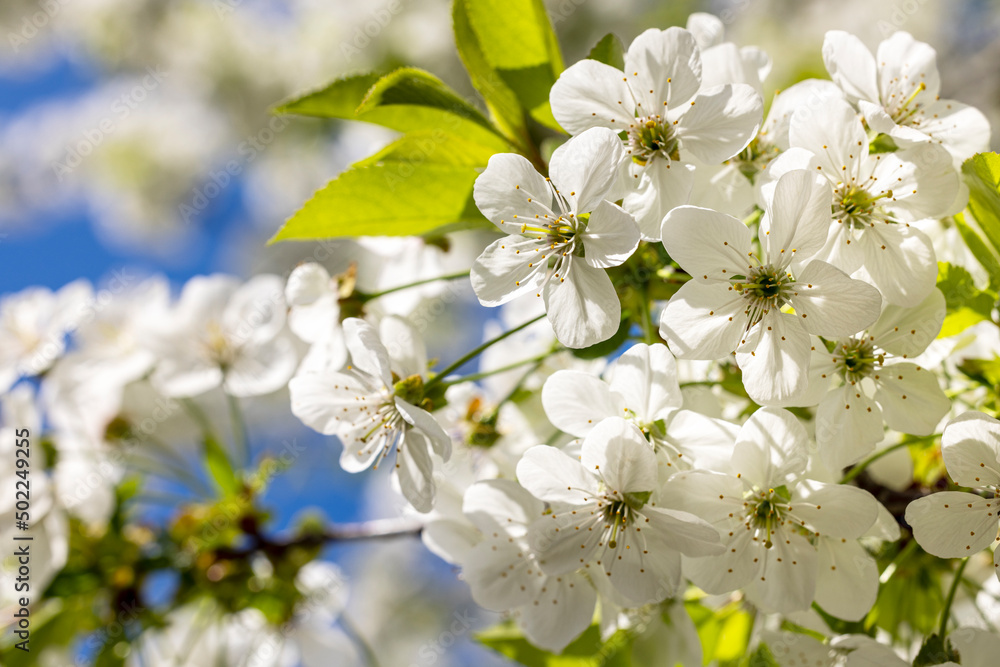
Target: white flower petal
column 511, row 187
column 774, row 357
column 907, row 332
column 836, row 510
column 501, row 505
column 405, row 345
column 796, row 217
column 732, row 570
column 584, row 310
column 811, row 93
column 415, row 471
column 771, row 449
column 426, row 423
column 851, row 65
column 848, row 426
column 262, row 369
column 646, row 376
column 307, row 283
column 552, row 476
column 585, row 168
column 506, row 269
column 901, row 262
column 703, row 321
column 684, row 532
column 953, row 524
column 663, row 68
column 833, row 133
column 922, row 179
column 707, row 244
column 255, row 313
column 575, row 402
column 658, row 187
column 368, row 354
column 704, row 442
column 564, row 610
column 720, row 122
column 847, row 585
column 617, row 451
column 963, row 130
column 611, row 236
column 904, row 65
column 828, row 302
column 707, row 29
column 970, row 447
column 788, row 580
column 319, row 399
column 591, row 94
column 497, row 573
column 911, row 398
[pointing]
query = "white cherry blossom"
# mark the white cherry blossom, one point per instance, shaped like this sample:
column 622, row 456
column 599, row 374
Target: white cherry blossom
column 367, row 407
column 771, row 516
column 867, row 381
column 668, row 116
column 33, row 327
column 898, row 92
column 738, row 299
column 224, row 332
column 314, row 315
column 875, row 198
column 955, row 524
column 642, row 388
column 603, row 518
column 563, row 234
column 504, row 574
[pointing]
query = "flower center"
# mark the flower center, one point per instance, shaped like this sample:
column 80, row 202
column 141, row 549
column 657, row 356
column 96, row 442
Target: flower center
column 858, row 207
column 619, row 512
column 765, row 512
column 856, row 359
column 754, row 158
column 901, row 110
column 764, row 288
column 651, row 136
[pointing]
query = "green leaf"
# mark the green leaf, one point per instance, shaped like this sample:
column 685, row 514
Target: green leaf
column 724, row 634
column 513, row 58
column 982, row 174
column 966, row 303
column 388, row 199
column 763, row 657
column 586, row 651
column 338, row 99
column 431, row 146
column 979, row 250
column 409, row 86
column 405, row 100
column 219, row 467
column 609, row 51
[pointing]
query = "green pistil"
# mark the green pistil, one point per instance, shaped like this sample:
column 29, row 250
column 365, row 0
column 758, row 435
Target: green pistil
column 856, row 359
column 650, row 137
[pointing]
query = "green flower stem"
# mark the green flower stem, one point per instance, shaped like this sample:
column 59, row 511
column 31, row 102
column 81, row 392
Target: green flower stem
column 239, row 428
column 485, row 374
column 399, row 288
column 860, row 467
column 946, row 612
column 477, row 351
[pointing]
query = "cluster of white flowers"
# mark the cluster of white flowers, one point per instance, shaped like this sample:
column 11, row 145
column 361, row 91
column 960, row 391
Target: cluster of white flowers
column 819, row 297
